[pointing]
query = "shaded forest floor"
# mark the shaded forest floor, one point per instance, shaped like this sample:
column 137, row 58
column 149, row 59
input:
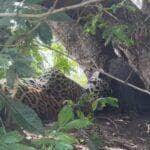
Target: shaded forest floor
column 118, row 132
column 114, row 131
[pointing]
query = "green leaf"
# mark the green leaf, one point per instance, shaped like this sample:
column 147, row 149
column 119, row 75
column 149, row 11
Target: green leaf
column 65, row 138
column 80, row 114
column 77, row 124
column 103, row 102
column 44, row 33
column 63, row 146
column 26, row 117
column 110, row 101
column 58, row 140
column 19, row 146
column 43, row 141
column 21, row 67
column 65, row 115
column 11, row 137
column 118, row 32
column 121, row 35
column 16, row 146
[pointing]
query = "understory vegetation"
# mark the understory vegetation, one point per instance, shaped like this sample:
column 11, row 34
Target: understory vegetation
column 100, row 50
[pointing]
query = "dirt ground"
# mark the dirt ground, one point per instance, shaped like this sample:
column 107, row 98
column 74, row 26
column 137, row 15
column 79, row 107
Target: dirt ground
column 118, row 132
column 115, row 131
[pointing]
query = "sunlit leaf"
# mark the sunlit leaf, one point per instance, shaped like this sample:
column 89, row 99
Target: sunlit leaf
column 77, row 124
column 65, row 115
column 103, row 102
column 80, row 114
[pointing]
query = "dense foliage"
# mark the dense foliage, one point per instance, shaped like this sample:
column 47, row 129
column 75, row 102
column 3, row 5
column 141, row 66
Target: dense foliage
column 28, row 48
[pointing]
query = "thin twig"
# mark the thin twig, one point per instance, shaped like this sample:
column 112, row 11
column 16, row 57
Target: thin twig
column 123, row 82
column 119, row 80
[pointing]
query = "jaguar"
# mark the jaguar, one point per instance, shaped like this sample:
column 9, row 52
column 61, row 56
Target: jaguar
column 47, row 94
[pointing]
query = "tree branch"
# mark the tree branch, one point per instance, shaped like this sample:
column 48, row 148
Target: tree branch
column 49, row 12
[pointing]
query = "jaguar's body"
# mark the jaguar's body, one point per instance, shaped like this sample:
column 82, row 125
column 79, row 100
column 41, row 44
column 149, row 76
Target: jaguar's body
column 48, row 94
column 62, row 87
column 44, row 103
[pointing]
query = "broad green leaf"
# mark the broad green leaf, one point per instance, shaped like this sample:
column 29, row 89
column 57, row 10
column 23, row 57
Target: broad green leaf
column 63, row 137
column 57, row 140
column 110, row 101
column 11, row 137
column 62, row 64
column 63, row 146
column 16, row 146
column 65, row 115
column 44, row 33
column 43, row 141
column 77, row 124
column 80, row 114
column 103, row 102
column 23, row 68
column 26, row 117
